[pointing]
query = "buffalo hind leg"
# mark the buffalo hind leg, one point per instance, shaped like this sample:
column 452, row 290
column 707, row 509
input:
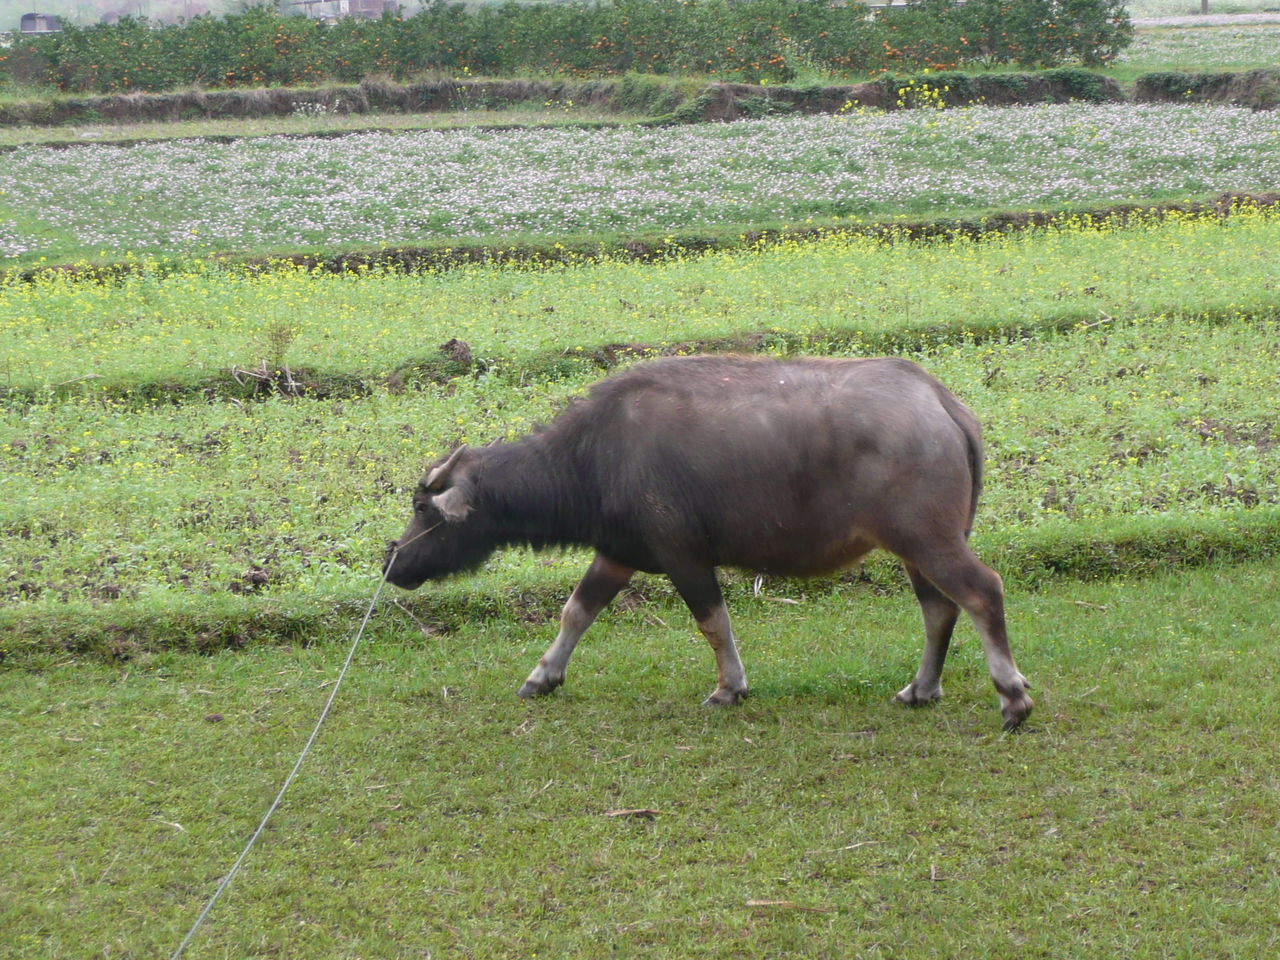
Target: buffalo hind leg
column 940, row 614
column 979, row 592
column 701, row 593
column 598, row 586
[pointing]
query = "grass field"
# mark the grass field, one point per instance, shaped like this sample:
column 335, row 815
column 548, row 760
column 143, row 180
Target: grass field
column 1239, row 47
column 313, row 123
column 441, row 816
column 200, row 463
column 177, row 329
column 1187, row 8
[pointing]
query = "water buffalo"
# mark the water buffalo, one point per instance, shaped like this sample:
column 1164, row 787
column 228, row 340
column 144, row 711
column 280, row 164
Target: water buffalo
column 678, row 466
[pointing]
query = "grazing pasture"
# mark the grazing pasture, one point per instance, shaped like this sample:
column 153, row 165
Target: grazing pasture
column 440, row 814
column 200, row 464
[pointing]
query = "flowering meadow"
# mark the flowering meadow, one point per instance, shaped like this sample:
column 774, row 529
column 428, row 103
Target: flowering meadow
column 376, row 189
column 1186, row 8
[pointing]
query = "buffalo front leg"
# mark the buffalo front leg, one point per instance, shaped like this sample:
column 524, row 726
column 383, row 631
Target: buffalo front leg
column 940, row 613
column 701, row 593
column 599, row 585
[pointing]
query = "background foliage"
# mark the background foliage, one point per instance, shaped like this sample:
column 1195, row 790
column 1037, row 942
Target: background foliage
column 755, row 40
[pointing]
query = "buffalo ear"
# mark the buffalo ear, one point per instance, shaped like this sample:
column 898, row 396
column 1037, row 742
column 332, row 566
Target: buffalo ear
column 454, row 503
column 438, row 478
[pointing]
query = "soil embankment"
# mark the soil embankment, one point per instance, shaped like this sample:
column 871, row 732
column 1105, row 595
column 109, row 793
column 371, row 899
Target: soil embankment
column 663, row 101
column 1256, row 89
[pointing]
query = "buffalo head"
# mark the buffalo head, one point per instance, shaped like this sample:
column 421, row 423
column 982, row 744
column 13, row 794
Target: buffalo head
column 447, row 533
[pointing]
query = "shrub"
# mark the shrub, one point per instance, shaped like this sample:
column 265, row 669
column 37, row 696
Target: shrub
column 1043, row 33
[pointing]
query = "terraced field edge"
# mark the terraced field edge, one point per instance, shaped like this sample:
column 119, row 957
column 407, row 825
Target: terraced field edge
column 657, row 246
column 32, row 635
column 662, row 100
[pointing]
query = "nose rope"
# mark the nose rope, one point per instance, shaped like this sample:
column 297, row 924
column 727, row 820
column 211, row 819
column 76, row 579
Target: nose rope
column 337, row 684
column 400, row 546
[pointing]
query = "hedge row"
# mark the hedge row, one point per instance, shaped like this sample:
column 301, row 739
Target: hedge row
column 751, row 40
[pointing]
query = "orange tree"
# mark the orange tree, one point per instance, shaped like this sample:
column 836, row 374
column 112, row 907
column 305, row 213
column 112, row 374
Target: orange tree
column 754, row 40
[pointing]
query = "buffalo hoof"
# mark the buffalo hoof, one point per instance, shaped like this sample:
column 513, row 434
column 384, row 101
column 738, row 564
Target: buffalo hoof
column 914, row 695
column 1015, row 710
column 725, row 698
column 537, row 688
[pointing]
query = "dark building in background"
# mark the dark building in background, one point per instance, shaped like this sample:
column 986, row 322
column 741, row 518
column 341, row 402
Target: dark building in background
column 39, row 23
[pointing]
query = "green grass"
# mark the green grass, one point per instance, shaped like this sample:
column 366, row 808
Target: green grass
column 138, row 532
column 1215, row 49
column 440, row 815
column 152, row 700
column 186, row 324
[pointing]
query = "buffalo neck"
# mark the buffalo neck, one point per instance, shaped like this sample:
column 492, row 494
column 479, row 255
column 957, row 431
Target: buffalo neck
column 535, row 493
